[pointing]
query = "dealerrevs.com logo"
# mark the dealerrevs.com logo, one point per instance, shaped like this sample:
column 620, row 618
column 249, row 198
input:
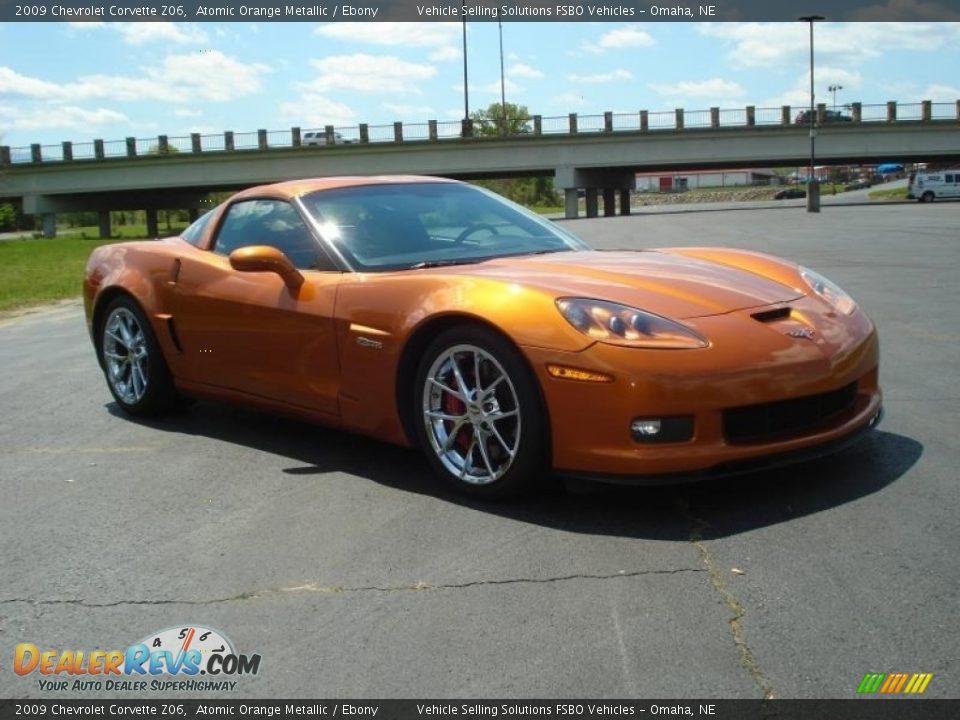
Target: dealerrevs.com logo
column 170, row 660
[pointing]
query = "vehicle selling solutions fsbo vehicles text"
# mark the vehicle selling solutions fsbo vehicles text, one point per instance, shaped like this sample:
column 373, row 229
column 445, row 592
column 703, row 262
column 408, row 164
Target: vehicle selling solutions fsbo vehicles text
column 569, row 10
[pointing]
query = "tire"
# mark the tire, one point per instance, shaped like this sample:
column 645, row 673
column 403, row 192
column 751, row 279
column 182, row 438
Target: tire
column 132, row 361
column 927, row 197
column 486, row 439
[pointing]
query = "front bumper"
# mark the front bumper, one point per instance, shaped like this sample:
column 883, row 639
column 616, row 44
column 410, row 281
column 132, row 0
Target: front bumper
column 748, row 363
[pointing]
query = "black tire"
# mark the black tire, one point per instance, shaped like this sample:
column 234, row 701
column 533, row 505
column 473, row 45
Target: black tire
column 490, row 441
column 927, row 197
column 133, row 364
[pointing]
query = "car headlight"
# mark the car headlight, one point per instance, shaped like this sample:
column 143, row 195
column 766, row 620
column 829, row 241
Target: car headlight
column 624, row 325
column 829, row 291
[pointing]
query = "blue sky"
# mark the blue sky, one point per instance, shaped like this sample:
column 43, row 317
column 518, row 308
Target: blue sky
column 64, row 81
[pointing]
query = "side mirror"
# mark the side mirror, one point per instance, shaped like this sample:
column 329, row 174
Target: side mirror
column 264, row 258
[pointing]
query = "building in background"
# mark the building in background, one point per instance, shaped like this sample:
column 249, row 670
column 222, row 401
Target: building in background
column 692, row 179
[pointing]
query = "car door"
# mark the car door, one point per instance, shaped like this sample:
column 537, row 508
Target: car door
column 952, row 187
column 249, row 331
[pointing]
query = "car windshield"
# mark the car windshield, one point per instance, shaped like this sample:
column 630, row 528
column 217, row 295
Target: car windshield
column 415, row 225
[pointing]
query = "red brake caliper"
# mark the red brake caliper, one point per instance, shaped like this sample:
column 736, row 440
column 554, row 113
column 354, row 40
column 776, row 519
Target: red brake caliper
column 454, row 406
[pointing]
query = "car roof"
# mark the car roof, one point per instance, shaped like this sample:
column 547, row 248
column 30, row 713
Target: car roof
column 298, row 188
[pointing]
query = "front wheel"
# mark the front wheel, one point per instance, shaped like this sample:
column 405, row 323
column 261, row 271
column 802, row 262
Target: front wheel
column 479, row 419
column 133, row 364
column 927, row 197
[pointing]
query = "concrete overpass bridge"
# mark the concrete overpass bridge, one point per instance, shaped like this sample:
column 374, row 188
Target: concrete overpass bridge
column 599, row 155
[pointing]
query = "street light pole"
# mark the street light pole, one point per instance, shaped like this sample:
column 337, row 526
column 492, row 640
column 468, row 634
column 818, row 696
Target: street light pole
column 503, row 88
column 813, row 186
column 833, row 89
column 466, row 93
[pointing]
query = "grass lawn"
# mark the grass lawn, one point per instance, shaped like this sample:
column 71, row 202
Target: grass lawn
column 890, row 194
column 38, row 271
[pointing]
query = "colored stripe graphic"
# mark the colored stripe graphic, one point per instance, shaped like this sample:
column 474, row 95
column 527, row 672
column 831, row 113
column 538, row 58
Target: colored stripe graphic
column 870, row 683
column 894, row 683
column 919, row 681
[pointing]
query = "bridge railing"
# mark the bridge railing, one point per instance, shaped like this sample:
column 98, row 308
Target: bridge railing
column 449, row 130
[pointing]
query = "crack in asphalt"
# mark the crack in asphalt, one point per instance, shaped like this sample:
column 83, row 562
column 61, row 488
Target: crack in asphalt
column 419, row 586
column 737, row 610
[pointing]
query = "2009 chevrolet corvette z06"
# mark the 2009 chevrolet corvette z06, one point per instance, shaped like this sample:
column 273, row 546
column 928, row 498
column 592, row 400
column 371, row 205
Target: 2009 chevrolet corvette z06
column 431, row 313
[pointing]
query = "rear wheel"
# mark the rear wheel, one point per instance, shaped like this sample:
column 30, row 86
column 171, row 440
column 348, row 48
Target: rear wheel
column 133, row 364
column 479, row 422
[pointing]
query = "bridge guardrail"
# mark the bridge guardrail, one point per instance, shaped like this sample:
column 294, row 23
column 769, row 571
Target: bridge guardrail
column 449, row 130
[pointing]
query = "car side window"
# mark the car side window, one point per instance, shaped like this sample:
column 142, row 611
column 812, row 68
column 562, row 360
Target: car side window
column 270, row 222
column 194, row 233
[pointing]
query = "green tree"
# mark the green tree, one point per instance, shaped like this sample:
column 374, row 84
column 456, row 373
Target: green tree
column 494, row 121
column 155, row 149
column 8, row 216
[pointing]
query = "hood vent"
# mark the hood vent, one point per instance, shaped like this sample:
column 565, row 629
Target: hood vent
column 768, row 316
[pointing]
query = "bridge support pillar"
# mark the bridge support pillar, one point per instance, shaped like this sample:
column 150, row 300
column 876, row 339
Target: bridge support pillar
column 49, row 225
column 813, row 196
column 571, row 204
column 103, row 218
column 574, row 180
column 593, row 206
column 609, row 202
column 152, row 231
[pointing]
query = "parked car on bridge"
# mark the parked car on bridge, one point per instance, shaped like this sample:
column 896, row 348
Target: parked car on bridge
column 435, row 314
column 830, row 116
column 320, row 138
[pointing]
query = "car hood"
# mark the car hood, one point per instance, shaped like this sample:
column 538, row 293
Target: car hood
column 670, row 285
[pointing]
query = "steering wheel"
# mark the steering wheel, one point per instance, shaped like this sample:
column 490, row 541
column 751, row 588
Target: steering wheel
column 476, row 227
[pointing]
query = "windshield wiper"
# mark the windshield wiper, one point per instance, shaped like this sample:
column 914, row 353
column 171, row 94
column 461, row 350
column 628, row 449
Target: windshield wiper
column 442, row 263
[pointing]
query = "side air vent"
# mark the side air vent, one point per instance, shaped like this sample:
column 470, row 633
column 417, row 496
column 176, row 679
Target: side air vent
column 767, row 316
column 174, row 338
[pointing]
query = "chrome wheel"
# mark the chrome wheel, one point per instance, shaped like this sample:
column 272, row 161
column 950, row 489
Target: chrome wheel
column 125, row 355
column 471, row 414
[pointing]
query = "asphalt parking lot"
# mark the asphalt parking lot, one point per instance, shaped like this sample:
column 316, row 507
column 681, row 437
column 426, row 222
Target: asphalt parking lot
column 341, row 562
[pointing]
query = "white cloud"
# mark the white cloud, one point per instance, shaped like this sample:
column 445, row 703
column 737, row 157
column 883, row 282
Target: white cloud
column 772, row 44
column 195, row 77
column 509, row 87
column 625, row 37
column 211, row 75
column 184, row 112
column 400, row 109
column 139, row 33
column 714, row 87
column 941, row 93
column 600, row 78
column 798, row 95
column 524, row 71
column 444, row 54
column 630, row 36
column 13, row 83
column 316, row 111
column 568, row 99
column 66, row 117
column 404, row 34
column 368, row 73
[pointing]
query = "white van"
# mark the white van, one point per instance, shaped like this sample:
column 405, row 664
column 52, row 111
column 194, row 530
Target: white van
column 930, row 185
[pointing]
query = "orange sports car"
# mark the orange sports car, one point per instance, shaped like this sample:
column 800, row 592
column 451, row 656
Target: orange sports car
column 432, row 313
